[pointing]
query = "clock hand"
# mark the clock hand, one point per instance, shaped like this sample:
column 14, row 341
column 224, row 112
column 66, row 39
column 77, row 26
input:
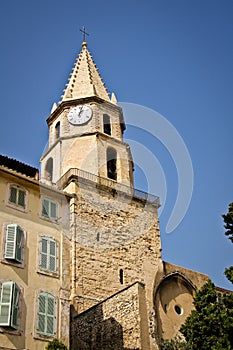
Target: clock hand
column 80, row 111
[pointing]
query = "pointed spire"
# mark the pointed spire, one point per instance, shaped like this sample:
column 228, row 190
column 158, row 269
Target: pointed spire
column 85, row 80
column 113, row 98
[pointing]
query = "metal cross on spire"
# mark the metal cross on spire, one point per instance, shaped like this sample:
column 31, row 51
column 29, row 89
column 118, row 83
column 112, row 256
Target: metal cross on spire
column 83, row 30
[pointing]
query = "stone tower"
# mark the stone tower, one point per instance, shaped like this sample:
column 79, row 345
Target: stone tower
column 86, row 129
column 114, row 233
column 80, row 250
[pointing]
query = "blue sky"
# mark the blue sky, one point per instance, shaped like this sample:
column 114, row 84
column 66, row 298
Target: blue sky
column 173, row 56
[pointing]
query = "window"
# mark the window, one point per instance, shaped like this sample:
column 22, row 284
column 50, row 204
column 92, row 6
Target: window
column 46, row 314
column 57, row 130
column 178, row 310
column 9, row 305
column 49, row 209
column 14, row 244
column 49, row 169
column 17, row 196
column 107, row 124
column 48, row 256
column 111, row 163
column 121, row 276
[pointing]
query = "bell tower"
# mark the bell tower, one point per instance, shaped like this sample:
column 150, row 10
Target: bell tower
column 86, row 130
column 113, row 228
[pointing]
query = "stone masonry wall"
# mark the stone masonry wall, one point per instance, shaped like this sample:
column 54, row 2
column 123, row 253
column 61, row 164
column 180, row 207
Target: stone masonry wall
column 114, row 324
column 116, row 238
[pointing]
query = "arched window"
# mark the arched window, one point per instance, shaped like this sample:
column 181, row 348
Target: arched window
column 107, row 124
column 49, row 169
column 46, row 314
column 111, row 163
column 57, row 130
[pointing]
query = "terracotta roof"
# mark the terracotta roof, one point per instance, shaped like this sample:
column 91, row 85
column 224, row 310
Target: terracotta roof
column 85, row 80
column 20, row 167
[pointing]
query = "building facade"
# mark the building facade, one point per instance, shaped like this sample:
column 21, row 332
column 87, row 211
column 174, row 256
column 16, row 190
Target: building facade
column 80, row 246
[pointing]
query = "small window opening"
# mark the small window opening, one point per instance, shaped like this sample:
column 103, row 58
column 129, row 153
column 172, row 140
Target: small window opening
column 111, row 164
column 98, row 237
column 121, row 276
column 17, row 196
column 49, row 169
column 107, row 125
column 178, row 310
column 57, row 130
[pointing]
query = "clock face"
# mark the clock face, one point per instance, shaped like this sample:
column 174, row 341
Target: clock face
column 79, row 115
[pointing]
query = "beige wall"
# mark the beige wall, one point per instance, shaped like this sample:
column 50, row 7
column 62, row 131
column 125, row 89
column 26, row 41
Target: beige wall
column 29, row 277
column 173, row 298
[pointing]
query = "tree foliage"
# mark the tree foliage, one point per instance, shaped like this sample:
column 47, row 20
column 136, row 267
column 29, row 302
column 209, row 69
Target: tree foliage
column 210, row 325
column 173, row 344
column 228, row 220
column 55, row 344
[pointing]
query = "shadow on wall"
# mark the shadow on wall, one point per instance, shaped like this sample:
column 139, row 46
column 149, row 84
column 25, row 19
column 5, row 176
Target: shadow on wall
column 90, row 331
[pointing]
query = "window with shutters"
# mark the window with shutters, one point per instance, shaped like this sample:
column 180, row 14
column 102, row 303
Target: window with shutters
column 17, row 197
column 9, row 305
column 49, row 209
column 14, row 244
column 46, row 312
column 48, row 255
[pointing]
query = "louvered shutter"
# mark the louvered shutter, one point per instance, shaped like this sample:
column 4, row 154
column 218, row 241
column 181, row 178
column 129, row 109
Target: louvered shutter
column 10, row 246
column 13, row 195
column 44, row 247
column 21, row 198
column 53, row 210
column 52, row 255
column 19, row 244
column 50, row 314
column 46, row 314
column 15, row 306
column 41, row 322
column 45, row 208
column 5, row 303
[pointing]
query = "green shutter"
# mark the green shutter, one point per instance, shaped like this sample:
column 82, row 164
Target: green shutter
column 15, row 306
column 50, row 314
column 21, row 198
column 48, row 258
column 14, row 243
column 41, row 313
column 53, row 210
column 10, row 246
column 13, row 195
column 19, row 244
column 44, row 253
column 45, row 208
column 17, row 196
column 49, row 208
column 46, row 314
column 9, row 304
column 52, row 255
column 5, row 303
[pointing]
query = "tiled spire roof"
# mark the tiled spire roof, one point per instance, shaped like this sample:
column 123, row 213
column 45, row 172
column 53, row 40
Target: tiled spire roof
column 85, row 80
